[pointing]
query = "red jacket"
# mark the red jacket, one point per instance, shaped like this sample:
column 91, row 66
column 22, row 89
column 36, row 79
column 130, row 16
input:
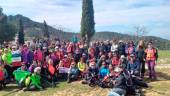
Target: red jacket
column 115, row 61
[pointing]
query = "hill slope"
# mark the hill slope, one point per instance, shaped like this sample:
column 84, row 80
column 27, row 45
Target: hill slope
column 34, row 29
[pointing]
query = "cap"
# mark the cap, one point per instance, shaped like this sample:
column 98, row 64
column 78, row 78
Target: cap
column 37, row 69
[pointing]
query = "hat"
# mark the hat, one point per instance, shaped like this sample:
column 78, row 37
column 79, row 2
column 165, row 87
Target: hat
column 84, row 54
column 56, row 47
column 117, row 69
column 132, row 55
column 44, row 47
column 37, row 69
column 122, row 56
column 65, row 55
column 92, row 63
column 14, row 47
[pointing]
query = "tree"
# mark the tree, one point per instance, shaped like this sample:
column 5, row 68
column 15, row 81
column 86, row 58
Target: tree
column 45, row 29
column 140, row 31
column 7, row 30
column 21, row 32
column 87, row 20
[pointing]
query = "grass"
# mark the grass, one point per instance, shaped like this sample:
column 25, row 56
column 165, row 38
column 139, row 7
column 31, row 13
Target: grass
column 164, row 57
column 157, row 88
column 161, row 86
column 164, row 54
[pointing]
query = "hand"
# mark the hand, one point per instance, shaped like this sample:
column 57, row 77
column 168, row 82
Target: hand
column 114, row 82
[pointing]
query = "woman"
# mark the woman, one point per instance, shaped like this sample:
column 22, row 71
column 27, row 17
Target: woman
column 151, row 57
column 82, row 67
column 140, row 54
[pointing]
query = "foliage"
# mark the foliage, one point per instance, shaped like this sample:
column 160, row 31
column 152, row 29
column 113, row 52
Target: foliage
column 7, row 30
column 35, row 30
column 21, row 33
column 87, row 21
column 46, row 32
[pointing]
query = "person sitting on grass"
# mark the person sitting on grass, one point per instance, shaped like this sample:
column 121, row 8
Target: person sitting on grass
column 104, row 70
column 20, row 75
column 23, row 67
column 82, row 67
column 33, row 82
column 107, row 80
column 92, row 74
column 133, row 65
column 120, row 85
column 115, row 60
column 73, row 73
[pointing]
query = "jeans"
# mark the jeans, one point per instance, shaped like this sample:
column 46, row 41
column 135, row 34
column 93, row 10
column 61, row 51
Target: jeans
column 117, row 92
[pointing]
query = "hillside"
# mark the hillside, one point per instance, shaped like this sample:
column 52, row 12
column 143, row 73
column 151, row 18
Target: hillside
column 34, row 29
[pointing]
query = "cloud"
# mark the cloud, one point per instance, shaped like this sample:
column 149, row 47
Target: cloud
column 111, row 15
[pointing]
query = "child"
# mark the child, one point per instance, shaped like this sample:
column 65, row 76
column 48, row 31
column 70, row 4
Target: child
column 73, row 73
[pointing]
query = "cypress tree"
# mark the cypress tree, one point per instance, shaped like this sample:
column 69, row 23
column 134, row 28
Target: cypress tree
column 87, row 21
column 21, row 32
column 46, row 32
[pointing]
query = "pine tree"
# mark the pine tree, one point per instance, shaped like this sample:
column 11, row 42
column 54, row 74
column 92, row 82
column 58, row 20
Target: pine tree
column 21, row 33
column 87, row 21
column 46, row 32
column 7, row 30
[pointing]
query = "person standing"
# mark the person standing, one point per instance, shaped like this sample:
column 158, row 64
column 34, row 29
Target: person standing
column 151, row 57
column 140, row 56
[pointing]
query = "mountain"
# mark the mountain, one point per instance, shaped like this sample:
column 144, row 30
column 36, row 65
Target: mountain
column 34, row 29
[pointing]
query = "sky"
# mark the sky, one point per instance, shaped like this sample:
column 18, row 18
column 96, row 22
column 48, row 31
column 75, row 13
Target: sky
column 110, row 15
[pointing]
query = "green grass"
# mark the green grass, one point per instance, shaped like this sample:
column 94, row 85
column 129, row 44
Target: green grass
column 158, row 88
column 164, row 57
column 164, row 54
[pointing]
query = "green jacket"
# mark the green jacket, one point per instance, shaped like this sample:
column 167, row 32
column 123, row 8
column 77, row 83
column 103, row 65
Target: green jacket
column 20, row 75
column 36, row 80
column 7, row 57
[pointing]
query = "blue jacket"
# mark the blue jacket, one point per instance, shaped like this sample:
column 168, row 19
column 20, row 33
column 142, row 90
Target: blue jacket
column 103, row 72
column 133, row 66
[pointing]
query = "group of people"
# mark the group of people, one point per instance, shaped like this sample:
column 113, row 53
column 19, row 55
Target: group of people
column 104, row 63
